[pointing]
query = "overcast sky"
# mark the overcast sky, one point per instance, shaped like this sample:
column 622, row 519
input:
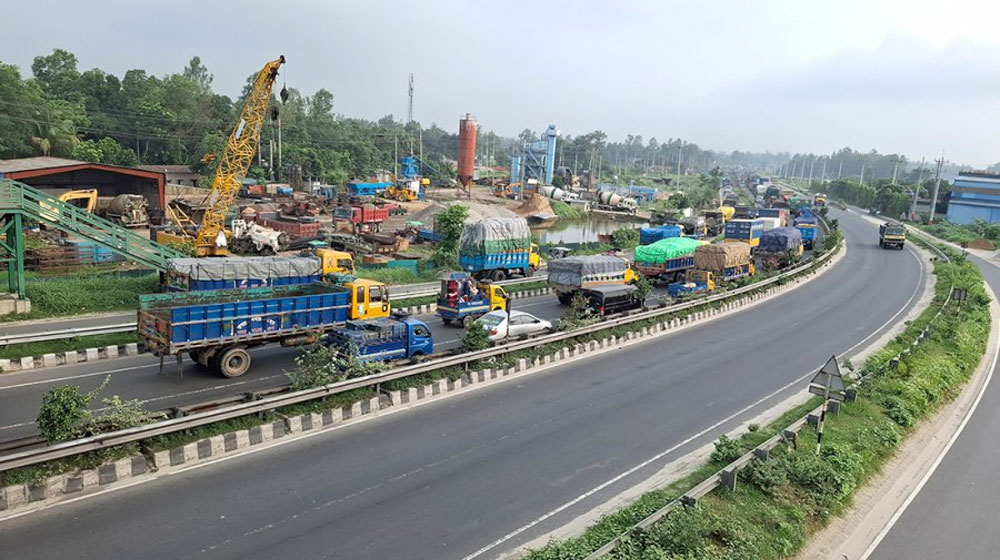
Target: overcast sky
column 915, row 77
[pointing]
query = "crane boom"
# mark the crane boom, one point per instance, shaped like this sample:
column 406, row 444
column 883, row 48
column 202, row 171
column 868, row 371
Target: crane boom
column 236, row 158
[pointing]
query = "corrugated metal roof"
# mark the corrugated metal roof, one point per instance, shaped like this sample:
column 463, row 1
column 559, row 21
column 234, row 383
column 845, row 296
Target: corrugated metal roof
column 181, row 169
column 32, row 163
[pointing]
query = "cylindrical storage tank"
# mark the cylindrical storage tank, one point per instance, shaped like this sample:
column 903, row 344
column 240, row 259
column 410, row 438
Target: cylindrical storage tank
column 466, row 149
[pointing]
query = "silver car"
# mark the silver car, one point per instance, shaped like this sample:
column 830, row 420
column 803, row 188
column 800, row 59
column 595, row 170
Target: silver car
column 520, row 324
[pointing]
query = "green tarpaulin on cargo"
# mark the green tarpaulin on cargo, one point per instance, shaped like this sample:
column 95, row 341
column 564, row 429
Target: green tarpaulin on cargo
column 666, row 249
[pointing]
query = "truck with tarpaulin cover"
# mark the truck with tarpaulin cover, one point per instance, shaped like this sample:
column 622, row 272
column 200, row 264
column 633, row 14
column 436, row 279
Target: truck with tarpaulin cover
column 653, row 234
column 383, row 339
column 570, row 275
column 497, row 248
column 726, row 261
column 189, row 274
column 891, row 235
column 667, row 259
column 807, row 224
column 745, row 231
column 780, row 247
column 216, row 328
column 463, row 299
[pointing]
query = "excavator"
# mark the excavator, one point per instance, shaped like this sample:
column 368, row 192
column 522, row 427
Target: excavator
column 209, row 239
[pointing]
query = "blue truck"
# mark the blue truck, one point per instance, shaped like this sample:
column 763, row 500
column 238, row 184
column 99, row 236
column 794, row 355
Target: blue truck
column 367, row 189
column 383, row 339
column 496, row 248
column 216, row 328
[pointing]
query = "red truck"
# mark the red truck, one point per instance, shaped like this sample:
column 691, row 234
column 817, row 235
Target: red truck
column 365, row 218
column 295, row 229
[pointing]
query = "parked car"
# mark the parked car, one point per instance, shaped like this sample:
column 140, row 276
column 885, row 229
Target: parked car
column 521, row 324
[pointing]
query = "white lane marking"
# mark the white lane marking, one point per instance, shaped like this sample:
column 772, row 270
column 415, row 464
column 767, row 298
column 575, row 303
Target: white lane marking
column 916, row 290
column 937, row 462
column 72, row 377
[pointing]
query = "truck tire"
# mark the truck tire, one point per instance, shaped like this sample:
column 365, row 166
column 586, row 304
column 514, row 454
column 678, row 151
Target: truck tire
column 233, row 362
column 529, row 272
column 498, row 275
column 467, row 321
column 565, row 298
column 447, row 322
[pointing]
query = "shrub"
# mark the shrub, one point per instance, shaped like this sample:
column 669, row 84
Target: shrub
column 476, row 337
column 726, row 450
column 63, row 413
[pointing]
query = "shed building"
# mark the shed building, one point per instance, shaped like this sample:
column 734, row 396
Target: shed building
column 975, row 195
column 57, row 175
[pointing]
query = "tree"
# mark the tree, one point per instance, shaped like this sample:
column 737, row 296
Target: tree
column 57, row 73
column 449, row 225
column 476, row 337
column 320, row 365
column 106, row 151
column 198, row 74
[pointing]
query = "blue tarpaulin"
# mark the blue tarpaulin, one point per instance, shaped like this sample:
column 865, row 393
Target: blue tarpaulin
column 654, row 234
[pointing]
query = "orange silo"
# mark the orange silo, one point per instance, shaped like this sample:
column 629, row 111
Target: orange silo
column 466, row 149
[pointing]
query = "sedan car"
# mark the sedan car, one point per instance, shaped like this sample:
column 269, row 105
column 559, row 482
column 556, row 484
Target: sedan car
column 520, row 324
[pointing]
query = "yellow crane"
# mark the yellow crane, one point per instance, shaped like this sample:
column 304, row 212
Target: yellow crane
column 235, row 162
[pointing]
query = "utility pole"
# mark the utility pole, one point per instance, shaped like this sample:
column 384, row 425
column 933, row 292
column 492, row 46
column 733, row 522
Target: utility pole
column 395, row 157
column 841, row 169
column 680, row 147
column 895, row 165
column 409, row 108
column 811, row 165
column 916, row 191
column 861, row 179
column 823, row 173
column 937, row 186
column 279, row 148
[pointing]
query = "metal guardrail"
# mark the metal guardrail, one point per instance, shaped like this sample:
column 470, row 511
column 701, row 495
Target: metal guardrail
column 727, row 475
column 407, row 291
column 131, row 435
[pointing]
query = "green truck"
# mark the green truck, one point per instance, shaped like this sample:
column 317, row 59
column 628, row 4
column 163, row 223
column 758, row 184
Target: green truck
column 891, row 236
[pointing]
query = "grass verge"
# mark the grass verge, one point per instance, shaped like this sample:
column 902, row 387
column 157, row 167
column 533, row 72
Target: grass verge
column 17, row 351
column 781, row 502
column 84, row 293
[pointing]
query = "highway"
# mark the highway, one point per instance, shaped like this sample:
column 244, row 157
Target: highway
column 481, row 472
column 138, row 378
column 954, row 515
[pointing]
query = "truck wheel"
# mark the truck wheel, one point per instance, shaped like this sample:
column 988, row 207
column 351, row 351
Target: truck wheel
column 565, row 298
column 529, row 272
column 233, row 362
column 467, row 321
column 498, row 275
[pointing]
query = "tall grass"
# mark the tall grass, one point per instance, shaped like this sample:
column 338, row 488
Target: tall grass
column 80, row 294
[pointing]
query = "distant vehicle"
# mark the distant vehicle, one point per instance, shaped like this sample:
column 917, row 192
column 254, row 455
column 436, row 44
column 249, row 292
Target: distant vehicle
column 891, row 236
column 819, row 200
column 519, row 324
column 560, row 252
column 569, row 275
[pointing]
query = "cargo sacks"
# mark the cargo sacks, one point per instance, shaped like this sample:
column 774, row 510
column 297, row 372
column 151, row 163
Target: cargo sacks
column 719, row 256
column 575, row 271
column 495, row 235
column 665, row 249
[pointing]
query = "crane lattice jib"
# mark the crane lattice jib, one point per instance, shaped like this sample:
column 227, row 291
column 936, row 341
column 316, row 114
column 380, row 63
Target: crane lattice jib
column 237, row 157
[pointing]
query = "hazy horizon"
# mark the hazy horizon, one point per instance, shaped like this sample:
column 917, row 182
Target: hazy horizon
column 904, row 77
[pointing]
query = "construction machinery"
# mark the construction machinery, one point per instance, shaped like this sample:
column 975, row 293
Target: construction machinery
column 210, row 238
column 88, row 197
column 129, row 210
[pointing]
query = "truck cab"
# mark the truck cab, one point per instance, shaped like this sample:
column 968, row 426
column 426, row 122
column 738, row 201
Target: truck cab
column 534, row 258
column 369, row 299
column 695, row 282
column 335, row 262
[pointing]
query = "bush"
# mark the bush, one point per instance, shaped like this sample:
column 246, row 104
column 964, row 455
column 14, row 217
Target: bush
column 726, row 450
column 766, row 475
column 63, row 413
column 320, row 365
column 476, row 337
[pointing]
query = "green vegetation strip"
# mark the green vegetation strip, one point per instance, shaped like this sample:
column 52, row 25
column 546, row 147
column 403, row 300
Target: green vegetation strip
column 17, row 351
column 84, row 293
column 37, row 473
column 779, row 503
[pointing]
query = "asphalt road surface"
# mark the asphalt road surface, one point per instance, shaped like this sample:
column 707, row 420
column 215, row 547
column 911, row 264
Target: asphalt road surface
column 138, row 378
column 955, row 514
column 478, row 473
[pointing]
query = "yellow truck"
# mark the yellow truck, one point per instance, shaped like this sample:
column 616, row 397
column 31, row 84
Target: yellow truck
column 463, row 299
